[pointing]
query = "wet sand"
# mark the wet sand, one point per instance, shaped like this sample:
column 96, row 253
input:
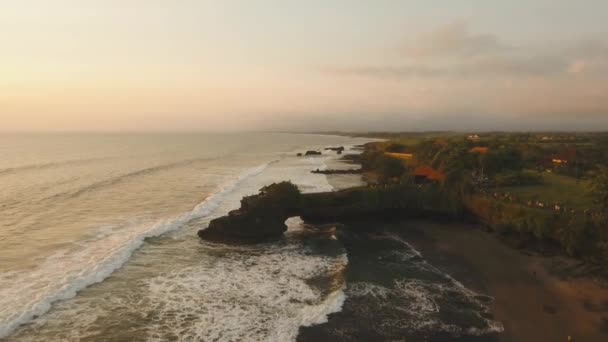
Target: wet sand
column 537, row 298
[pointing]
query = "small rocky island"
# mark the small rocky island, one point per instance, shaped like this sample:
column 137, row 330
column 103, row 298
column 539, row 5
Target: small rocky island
column 338, row 172
column 261, row 217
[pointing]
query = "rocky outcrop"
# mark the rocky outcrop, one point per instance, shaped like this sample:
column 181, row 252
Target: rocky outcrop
column 338, row 172
column 351, row 159
column 260, row 218
column 338, row 150
column 335, row 149
column 243, row 227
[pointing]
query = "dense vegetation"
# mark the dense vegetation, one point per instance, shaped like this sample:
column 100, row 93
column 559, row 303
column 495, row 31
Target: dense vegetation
column 541, row 187
column 599, row 188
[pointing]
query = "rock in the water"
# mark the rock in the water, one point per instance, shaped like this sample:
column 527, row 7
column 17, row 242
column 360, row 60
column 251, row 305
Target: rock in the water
column 338, row 172
column 260, row 218
column 244, row 227
column 313, row 153
column 339, row 150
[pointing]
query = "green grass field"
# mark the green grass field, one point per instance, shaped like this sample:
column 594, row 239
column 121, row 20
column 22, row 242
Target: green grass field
column 555, row 188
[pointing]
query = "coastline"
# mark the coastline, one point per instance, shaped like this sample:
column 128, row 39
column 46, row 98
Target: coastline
column 536, row 297
column 368, row 314
column 61, row 322
column 533, row 298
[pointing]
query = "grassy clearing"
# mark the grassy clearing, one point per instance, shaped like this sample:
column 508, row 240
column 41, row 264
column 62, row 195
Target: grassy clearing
column 555, row 188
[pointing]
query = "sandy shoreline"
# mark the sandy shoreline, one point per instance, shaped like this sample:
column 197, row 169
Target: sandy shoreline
column 532, row 299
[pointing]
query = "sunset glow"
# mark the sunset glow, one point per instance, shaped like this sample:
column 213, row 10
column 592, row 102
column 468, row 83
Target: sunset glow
column 294, row 65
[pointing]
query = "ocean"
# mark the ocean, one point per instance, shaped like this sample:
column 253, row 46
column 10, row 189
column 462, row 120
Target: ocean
column 98, row 238
column 98, row 243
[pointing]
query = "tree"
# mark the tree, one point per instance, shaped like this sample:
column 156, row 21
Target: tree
column 505, row 158
column 283, row 196
column 391, row 168
column 457, row 165
column 396, row 148
column 599, row 187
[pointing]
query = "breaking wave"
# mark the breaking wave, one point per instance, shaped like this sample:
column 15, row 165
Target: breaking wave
column 31, row 294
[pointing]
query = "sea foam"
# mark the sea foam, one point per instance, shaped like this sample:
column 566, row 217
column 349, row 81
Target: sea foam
column 61, row 276
column 227, row 293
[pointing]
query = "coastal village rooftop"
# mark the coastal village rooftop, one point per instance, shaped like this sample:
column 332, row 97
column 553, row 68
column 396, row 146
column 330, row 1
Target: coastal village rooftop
column 426, row 173
column 402, row 156
column 480, row 150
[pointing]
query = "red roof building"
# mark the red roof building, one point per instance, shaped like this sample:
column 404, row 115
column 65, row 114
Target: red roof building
column 427, row 173
column 480, row 150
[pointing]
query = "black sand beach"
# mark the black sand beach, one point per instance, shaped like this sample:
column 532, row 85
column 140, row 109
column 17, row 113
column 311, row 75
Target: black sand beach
column 535, row 298
column 394, row 294
column 532, row 296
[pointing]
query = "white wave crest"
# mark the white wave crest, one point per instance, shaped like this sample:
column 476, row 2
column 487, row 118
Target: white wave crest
column 26, row 295
column 259, row 296
column 272, row 296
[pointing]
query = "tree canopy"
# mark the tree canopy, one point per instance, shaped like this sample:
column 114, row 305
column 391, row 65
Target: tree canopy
column 599, row 187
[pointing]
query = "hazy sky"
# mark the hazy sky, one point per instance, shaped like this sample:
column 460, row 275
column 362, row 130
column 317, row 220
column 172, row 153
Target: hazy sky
column 303, row 64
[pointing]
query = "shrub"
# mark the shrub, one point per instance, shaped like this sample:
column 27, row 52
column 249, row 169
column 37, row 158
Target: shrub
column 276, row 196
column 396, row 148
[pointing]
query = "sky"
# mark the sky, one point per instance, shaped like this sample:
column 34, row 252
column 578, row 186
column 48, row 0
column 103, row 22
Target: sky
column 292, row 65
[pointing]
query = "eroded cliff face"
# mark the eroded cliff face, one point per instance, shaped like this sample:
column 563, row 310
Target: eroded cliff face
column 262, row 216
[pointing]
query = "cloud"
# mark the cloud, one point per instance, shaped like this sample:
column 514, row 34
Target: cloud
column 487, row 66
column 452, row 73
column 577, row 67
column 453, row 51
column 453, row 39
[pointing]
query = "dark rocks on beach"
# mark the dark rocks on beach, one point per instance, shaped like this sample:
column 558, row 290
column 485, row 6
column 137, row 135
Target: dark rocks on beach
column 241, row 227
column 338, row 172
column 339, row 150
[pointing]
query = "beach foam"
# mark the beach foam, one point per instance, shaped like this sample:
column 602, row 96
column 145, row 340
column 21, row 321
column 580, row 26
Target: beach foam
column 259, row 294
column 203, row 291
column 61, row 276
